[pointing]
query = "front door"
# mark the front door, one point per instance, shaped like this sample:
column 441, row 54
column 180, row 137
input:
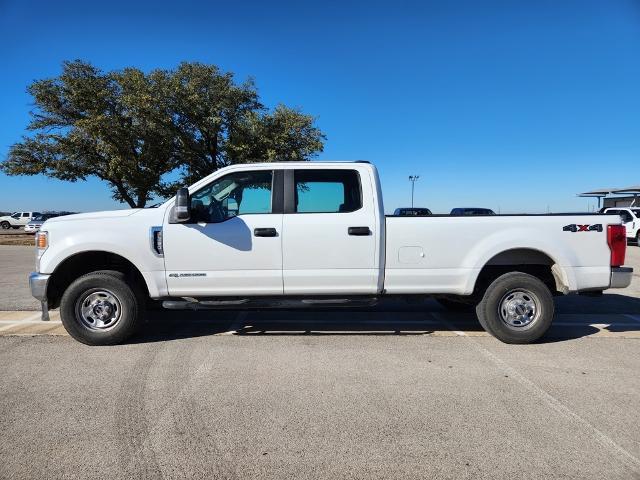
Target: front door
column 233, row 244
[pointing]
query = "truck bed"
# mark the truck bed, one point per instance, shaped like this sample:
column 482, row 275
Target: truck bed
column 445, row 254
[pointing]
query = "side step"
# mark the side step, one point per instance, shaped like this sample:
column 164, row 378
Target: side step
column 190, row 303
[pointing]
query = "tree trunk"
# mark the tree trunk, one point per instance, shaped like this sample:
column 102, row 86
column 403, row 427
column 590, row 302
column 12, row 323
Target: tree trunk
column 142, row 200
column 122, row 191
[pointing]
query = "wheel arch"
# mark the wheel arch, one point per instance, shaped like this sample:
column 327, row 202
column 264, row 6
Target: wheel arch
column 85, row 262
column 529, row 260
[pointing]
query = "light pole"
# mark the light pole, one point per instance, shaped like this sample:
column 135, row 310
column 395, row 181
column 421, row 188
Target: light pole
column 413, row 179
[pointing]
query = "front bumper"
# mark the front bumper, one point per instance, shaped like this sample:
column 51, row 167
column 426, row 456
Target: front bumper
column 38, row 285
column 621, row 277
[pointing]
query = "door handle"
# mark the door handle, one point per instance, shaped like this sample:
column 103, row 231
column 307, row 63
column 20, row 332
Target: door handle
column 359, row 231
column 265, row 232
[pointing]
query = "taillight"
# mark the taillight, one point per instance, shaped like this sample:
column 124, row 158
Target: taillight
column 617, row 240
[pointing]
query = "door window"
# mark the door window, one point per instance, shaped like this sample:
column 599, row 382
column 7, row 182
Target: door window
column 239, row 193
column 327, row 191
column 626, row 216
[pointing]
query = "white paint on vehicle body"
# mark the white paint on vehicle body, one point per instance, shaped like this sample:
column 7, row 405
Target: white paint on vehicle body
column 314, row 254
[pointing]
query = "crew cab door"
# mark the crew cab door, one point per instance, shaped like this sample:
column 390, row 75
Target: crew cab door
column 25, row 217
column 330, row 232
column 233, row 243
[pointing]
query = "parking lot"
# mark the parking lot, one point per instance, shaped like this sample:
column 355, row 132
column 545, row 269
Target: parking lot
column 402, row 391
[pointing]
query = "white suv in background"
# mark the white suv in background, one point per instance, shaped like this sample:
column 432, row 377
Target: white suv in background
column 17, row 219
column 630, row 218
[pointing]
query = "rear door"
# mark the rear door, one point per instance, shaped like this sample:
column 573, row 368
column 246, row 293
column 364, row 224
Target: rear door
column 25, row 218
column 329, row 232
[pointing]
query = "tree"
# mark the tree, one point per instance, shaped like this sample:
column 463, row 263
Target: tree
column 219, row 123
column 132, row 129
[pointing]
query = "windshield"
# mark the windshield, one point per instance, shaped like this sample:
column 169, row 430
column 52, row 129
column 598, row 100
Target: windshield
column 15, row 215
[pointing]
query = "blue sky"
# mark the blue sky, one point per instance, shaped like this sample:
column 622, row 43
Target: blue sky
column 513, row 105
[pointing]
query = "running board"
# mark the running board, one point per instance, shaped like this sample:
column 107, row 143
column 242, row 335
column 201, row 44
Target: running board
column 266, row 302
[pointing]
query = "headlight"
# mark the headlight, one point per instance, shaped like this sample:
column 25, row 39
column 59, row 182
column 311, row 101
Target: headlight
column 42, row 243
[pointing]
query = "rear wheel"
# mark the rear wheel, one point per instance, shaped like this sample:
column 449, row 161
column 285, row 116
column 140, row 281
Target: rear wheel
column 100, row 308
column 516, row 308
column 5, row 225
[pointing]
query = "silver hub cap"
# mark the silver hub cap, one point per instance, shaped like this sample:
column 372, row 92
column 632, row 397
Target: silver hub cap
column 99, row 310
column 519, row 308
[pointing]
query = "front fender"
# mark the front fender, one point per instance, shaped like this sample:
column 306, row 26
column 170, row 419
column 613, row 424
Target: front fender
column 126, row 239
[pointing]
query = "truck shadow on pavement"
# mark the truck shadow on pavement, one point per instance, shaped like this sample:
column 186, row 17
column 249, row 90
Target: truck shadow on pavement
column 576, row 317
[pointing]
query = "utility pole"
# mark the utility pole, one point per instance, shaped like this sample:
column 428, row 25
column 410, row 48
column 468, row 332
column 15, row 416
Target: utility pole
column 413, row 179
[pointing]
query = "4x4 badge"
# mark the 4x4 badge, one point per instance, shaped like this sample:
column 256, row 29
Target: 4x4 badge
column 597, row 227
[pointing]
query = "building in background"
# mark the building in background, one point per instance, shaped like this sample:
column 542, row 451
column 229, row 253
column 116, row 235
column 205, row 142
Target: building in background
column 615, row 197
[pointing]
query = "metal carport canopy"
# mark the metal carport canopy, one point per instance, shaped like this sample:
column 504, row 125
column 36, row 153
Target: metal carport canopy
column 607, row 191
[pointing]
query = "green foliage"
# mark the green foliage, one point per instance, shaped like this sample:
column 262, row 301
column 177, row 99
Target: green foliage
column 130, row 129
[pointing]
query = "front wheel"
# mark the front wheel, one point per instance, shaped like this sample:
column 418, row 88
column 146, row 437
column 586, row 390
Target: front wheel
column 516, row 308
column 100, row 308
column 5, row 225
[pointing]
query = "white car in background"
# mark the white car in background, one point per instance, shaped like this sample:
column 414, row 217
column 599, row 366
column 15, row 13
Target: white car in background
column 630, row 218
column 17, row 219
column 34, row 225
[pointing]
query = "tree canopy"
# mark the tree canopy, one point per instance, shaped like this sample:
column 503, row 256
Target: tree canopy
column 130, row 128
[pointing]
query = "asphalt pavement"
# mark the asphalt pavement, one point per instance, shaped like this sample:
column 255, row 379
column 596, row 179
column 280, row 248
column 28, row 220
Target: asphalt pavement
column 289, row 404
column 15, row 264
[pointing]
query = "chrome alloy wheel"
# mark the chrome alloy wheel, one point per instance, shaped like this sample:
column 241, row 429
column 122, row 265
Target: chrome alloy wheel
column 519, row 308
column 98, row 310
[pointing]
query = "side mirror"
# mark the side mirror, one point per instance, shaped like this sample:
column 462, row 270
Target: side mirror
column 182, row 207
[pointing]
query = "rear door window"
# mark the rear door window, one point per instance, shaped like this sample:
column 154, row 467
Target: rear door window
column 327, row 191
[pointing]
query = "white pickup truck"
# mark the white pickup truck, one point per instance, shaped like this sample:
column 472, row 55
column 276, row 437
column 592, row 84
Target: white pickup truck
column 315, row 233
column 17, row 219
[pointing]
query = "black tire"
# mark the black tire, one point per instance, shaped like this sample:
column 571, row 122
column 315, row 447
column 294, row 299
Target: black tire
column 638, row 238
column 111, row 284
column 493, row 309
column 5, row 225
column 455, row 305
